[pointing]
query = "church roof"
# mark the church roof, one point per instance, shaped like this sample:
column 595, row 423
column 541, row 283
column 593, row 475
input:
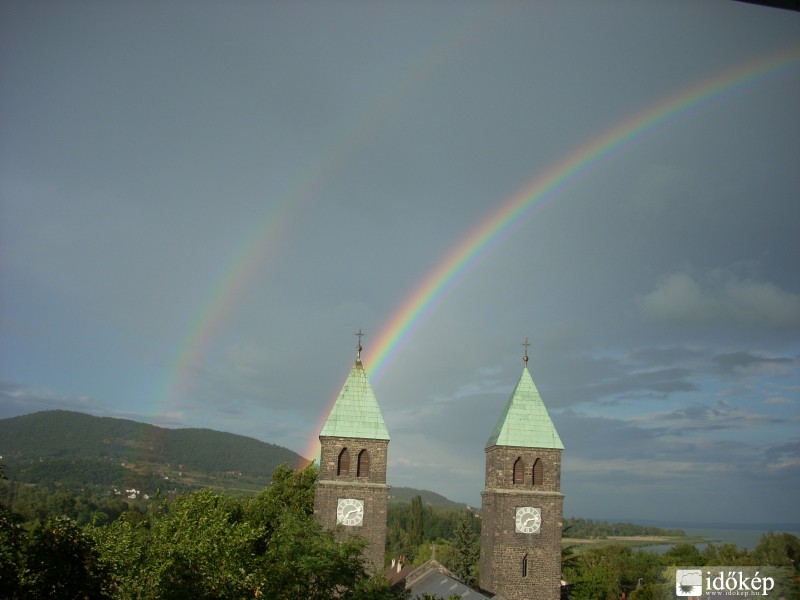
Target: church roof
column 356, row 413
column 435, row 579
column 524, row 421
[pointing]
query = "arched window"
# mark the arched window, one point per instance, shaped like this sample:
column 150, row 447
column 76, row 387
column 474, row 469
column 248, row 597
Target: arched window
column 519, row 472
column 525, row 566
column 343, row 466
column 538, row 472
column 363, row 464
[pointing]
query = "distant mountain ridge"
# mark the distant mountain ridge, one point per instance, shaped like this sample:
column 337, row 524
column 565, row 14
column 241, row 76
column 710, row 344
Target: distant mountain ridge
column 405, row 494
column 60, row 434
column 72, row 449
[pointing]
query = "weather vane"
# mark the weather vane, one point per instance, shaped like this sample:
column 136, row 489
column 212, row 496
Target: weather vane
column 525, row 356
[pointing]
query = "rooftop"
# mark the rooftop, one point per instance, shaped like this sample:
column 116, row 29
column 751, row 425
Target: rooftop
column 356, row 412
column 525, row 421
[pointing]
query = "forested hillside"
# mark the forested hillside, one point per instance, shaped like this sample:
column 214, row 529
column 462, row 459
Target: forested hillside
column 59, row 433
column 587, row 528
column 400, row 495
column 69, row 448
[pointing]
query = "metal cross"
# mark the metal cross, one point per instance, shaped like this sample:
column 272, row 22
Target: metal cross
column 359, row 335
column 525, row 357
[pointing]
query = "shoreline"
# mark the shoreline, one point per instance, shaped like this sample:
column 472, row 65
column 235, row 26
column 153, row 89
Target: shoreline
column 635, row 540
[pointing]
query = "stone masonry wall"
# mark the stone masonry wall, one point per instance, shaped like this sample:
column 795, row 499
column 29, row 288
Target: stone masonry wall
column 332, row 447
column 502, row 548
column 500, row 467
column 373, row 527
column 372, row 489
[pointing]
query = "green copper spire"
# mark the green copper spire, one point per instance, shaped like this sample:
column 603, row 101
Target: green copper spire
column 525, row 421
column 356, row 413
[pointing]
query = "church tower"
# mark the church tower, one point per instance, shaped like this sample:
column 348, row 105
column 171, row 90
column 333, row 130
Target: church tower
column 522, row 502
column 351, row 493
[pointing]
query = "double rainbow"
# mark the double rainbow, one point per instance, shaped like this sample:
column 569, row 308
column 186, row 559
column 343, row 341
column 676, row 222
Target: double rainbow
column 463, row 256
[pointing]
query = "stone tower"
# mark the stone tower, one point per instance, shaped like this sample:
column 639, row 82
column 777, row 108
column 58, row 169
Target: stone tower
column 351, row 492
column 522, row 502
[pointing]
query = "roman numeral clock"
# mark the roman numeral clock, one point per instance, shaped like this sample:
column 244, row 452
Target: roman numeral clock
column 350, row 512
column 528, row 519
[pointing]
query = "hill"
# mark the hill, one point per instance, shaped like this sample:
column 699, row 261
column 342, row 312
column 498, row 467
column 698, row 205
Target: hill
column 405, row 494
column 65, row 449
column 74, row 448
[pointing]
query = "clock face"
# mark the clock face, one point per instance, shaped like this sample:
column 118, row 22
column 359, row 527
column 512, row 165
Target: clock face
column 528, row 519
column 350, row 512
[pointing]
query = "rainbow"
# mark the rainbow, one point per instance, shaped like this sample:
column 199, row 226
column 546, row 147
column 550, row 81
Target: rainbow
column 263, row 238
column 479, row 241
column 441, row 280
column 214, row 312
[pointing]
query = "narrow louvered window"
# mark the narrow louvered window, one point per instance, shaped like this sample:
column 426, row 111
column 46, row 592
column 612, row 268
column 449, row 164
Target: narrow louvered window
column 343, row 468
column 363, row 463
column 519, row 472
column 538, row 474
column 525, row 566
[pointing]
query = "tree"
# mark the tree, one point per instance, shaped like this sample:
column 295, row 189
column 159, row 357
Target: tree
column 11, row 556
column 466, row 549
column 596, row 584
column 293, row 489
column 416, row 526
column 298, row 559
column 652, row 591
column 726, row 554
column 196, row 546
column 608, row 571
column 684, row 555
column 63, row 562
column 777, row 550
column 206, row 545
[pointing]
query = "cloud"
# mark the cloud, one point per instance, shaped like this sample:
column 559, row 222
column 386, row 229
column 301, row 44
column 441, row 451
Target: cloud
column 580, row 379
column 750, row 362
column 248, row 359
column 18, row 400
column 661, row 355
column 761, row 304
column 783, row 455
column 721, row 297
column 701, row 417
column 778, row 400
column 635, row 459
column 679, row 298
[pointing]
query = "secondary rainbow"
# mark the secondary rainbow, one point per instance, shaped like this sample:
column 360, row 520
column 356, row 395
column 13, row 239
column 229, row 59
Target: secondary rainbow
column 479, row 241
column 262, row 240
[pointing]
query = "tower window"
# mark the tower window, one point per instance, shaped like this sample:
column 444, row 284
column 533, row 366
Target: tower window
column 519, row 472
column 525, row 566
column 363, row 464
column 343, row 465
column 538, row 472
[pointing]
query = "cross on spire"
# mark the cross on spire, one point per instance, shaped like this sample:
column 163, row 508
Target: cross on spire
column 525, row 356
column 359, row 335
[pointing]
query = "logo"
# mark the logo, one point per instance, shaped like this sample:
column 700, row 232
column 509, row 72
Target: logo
column 688, row 582
column 753, row 582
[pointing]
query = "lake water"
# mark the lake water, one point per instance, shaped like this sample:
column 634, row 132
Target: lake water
column 743, row 538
